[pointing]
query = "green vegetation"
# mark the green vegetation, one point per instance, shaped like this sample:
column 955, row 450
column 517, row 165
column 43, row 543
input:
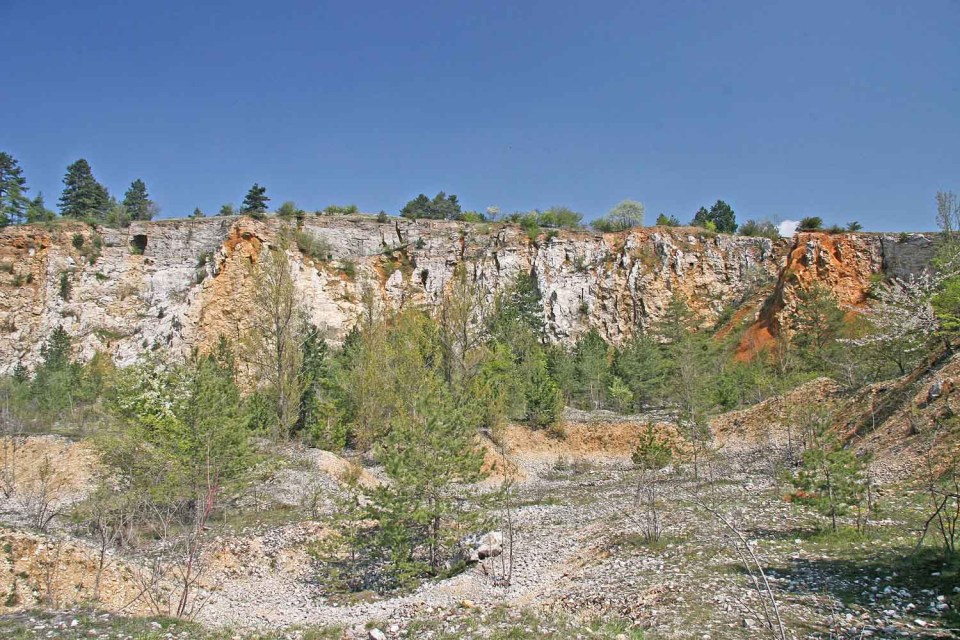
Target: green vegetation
column 315, row 248
column 83, row 197
column 719, row 218
column 37, row 210
column 90, row 623
column 667, row 221
column 255, row 202
column 289, row 209
column 762, row 228
column 442, row 207
column 626, row 215
column 501, row 623
column 13, row 203
column 412, row 388
column 137, row 202
column 337, row 210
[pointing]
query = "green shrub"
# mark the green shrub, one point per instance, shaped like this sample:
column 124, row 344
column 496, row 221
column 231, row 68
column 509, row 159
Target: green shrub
column 337, row 210
column 317, row 249
column 65, row 286
column 348, row 268
column 664, row 221
column 289, row 209
column 762, row 229
column 810, row 223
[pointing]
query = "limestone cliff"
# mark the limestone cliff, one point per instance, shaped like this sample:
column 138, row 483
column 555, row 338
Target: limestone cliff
column 177, row 284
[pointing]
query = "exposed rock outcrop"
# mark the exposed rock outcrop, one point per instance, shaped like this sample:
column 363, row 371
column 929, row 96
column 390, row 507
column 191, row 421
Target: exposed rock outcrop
column 845, row 264
column 180, row 284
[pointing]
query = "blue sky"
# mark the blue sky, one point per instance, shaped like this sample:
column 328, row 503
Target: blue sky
column 847, row 110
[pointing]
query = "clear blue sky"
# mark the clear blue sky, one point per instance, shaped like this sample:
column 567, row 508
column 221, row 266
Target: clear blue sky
column 843, row 109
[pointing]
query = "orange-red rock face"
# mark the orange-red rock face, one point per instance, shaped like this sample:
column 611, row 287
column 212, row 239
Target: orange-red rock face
column 844, row 263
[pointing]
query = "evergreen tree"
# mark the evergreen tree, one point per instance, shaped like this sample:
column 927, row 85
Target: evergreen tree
column 13, row 202
column 56, row 380
column 719, row 218
column 722, row 215
column 137, row 202
column 832, row 478
column 520, row 305
column 639, row 364
column 83, row 196
column 255, row 202
column 667, row 221
column 543, row 397
column 701, row 217
column 37, row 210
column 197, row 213
column 319, row 417
column 817, row 325
column 593, row 369
column 227, row 210
column 442, row 207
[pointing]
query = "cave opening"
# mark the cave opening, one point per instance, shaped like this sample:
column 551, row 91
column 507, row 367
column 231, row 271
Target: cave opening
column 138, row 244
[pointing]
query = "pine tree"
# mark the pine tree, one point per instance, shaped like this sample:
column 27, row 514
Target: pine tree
column 197, row 213
column 722, row 215
column 13, row 204
column 37, row 210
column 442, row 207
column 701, row 218
column 818, row 322
column 544, row 400
column 832, row 478
column 83, row 196
column 593, row 369
column 639, row 364
column 137, row 202
column 426, row 451
column 719, row 218
column 255, row 202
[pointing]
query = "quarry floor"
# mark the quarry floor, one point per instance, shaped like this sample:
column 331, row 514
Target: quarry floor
column 577, row 551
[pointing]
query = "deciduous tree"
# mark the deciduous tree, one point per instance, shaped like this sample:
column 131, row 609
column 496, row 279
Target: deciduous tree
column 273, row 345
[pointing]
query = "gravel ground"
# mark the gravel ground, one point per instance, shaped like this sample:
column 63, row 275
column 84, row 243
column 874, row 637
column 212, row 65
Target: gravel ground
column 576, row 551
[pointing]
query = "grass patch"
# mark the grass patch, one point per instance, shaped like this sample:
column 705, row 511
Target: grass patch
column 543, row 501
column 639, row 541
column 503, row 623
column 23, row 626
column 348, row 268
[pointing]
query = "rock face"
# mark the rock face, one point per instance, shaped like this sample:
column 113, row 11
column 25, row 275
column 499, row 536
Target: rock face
column 844, row 263
column 180, row 284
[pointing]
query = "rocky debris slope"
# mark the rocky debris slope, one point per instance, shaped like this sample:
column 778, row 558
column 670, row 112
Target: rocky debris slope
column 911, row 423
column 178, row 284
